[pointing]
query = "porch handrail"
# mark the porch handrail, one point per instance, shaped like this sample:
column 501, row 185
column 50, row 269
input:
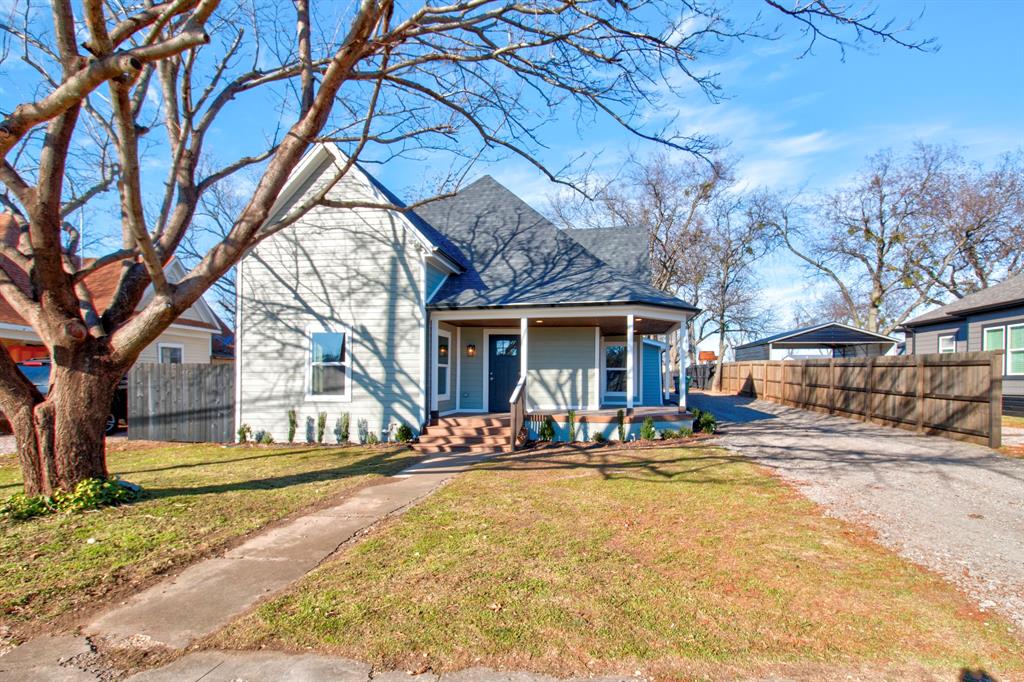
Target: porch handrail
column 517, row 409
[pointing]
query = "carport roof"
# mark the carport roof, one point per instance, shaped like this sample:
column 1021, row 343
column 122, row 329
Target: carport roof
column 827, row 334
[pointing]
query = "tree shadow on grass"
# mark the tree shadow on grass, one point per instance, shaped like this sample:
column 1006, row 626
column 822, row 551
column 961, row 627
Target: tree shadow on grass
column 266, row 455
column 384, row 464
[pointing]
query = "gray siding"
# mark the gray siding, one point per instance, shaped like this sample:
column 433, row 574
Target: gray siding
column 560, row 368
column 360, row 269
column 977, row 323
column 926, row 339
column 759, row 352
column 472, row 369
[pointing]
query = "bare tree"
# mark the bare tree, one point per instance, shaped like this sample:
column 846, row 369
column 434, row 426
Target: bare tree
column 734, row 309
column 908, row 230
column 152, row 82
column 668, row 201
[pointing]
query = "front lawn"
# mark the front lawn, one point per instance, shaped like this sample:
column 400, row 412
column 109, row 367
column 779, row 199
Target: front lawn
column 680, row 563
column 198, row 499
column 1013, row 422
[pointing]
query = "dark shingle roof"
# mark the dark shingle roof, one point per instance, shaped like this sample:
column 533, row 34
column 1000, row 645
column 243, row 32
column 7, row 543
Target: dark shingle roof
column 623, row 248
column 436, row 238
column 1005, row 294
column 515, row 256
column 825, row 333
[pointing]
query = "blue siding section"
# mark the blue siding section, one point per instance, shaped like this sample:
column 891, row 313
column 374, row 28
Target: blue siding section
column 651, row 368
column 434, row 279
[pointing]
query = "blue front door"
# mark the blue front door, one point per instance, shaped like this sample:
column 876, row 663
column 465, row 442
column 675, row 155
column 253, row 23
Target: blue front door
column 502, row 370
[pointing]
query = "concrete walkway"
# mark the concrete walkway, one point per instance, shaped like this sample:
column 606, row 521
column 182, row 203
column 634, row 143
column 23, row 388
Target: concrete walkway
column 206, row 596
column 953, row 507
column 262, row 666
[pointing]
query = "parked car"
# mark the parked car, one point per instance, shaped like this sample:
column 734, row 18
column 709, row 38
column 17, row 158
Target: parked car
column 38, row 372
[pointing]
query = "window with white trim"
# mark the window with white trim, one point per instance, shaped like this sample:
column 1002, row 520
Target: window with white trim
column 171, row 353
column 329, row 363
column 1015, row 349
column 993, row 338
column 444, row 375
column 615, row 368
column 947, row 343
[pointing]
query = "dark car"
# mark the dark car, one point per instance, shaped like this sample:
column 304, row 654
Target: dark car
column 38, row 372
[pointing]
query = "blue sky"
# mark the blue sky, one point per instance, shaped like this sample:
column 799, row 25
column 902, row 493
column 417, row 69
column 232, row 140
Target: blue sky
column 810, row 122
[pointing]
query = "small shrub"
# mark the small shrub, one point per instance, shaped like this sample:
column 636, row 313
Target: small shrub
column 310, row 430
column 321, row 426
column 293, row 424
column 598, row 437
column 685, row 432
column 91, row 493
column 363, row 431
column 546, row 432
column 706, row 422
column 647, row 430
column 372, row 439
column 257, row 437
column 572, row 426
column 403, row 434
column 620, row 417
column 343, row 424
column 669, row 434
column 266, row 439
column 244, row 433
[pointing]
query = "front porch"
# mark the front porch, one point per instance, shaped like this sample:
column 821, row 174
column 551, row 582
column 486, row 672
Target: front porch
column 594, row 360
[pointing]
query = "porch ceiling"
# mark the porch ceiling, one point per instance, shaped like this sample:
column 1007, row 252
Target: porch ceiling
column 610, row 325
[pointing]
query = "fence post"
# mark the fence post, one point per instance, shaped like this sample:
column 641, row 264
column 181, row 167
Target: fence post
column 869, row 390
column 995, row 400
column 764, row 381
column 802, row 398
column 832, row 386
column 920, row 393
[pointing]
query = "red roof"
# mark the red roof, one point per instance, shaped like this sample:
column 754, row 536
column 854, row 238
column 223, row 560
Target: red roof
column 101, row 282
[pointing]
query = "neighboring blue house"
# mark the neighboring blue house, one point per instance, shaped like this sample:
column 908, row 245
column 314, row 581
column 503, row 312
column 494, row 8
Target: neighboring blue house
column 472, row 305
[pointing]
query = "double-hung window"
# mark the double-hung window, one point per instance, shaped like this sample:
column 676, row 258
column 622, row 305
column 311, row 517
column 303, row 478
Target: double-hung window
column 1015, row 349
column 444, row 344
column 330, row 369
column 947, row 343
column 993, row 338
column 171, row 353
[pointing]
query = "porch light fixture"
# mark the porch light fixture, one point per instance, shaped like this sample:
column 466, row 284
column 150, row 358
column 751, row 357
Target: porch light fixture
column 471, row 349
column 540, row 321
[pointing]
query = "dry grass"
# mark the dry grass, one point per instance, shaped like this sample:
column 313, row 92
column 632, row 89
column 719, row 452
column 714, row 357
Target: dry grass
column 683, row 562
column 198, row 500
column 1013, row 422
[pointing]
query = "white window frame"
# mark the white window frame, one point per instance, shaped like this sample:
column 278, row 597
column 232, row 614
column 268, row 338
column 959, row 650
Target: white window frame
column 943, row 337
column 1009, row 351
column 447, row 366
column 160, row 352
column 984, row 344
column 637, row 370
column 346, row 397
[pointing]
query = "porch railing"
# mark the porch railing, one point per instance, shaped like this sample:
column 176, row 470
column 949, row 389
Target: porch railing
column 517, row 409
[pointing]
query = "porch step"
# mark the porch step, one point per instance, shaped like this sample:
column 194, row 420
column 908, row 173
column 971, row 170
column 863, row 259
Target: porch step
column 474, row 422
column 465, row 434
column 430, row 449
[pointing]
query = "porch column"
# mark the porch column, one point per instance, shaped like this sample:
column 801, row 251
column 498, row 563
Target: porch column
column 432, row 379
column 523, row 345
column 629, row 364
column 683, row 345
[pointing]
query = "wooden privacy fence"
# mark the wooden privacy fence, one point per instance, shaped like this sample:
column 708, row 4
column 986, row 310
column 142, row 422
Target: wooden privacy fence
column 957, row 395
column 189, row 403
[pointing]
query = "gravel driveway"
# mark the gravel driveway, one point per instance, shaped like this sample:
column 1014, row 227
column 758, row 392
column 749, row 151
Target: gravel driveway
column 953, row 507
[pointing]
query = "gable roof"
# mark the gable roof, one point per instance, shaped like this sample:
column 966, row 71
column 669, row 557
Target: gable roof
column 828, row 333
column 101, row 284
column 1006, row 294
column 623, row 248
column 515, row 256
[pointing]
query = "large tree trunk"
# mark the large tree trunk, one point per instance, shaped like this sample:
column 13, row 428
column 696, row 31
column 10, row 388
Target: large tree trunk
column 61, row 441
